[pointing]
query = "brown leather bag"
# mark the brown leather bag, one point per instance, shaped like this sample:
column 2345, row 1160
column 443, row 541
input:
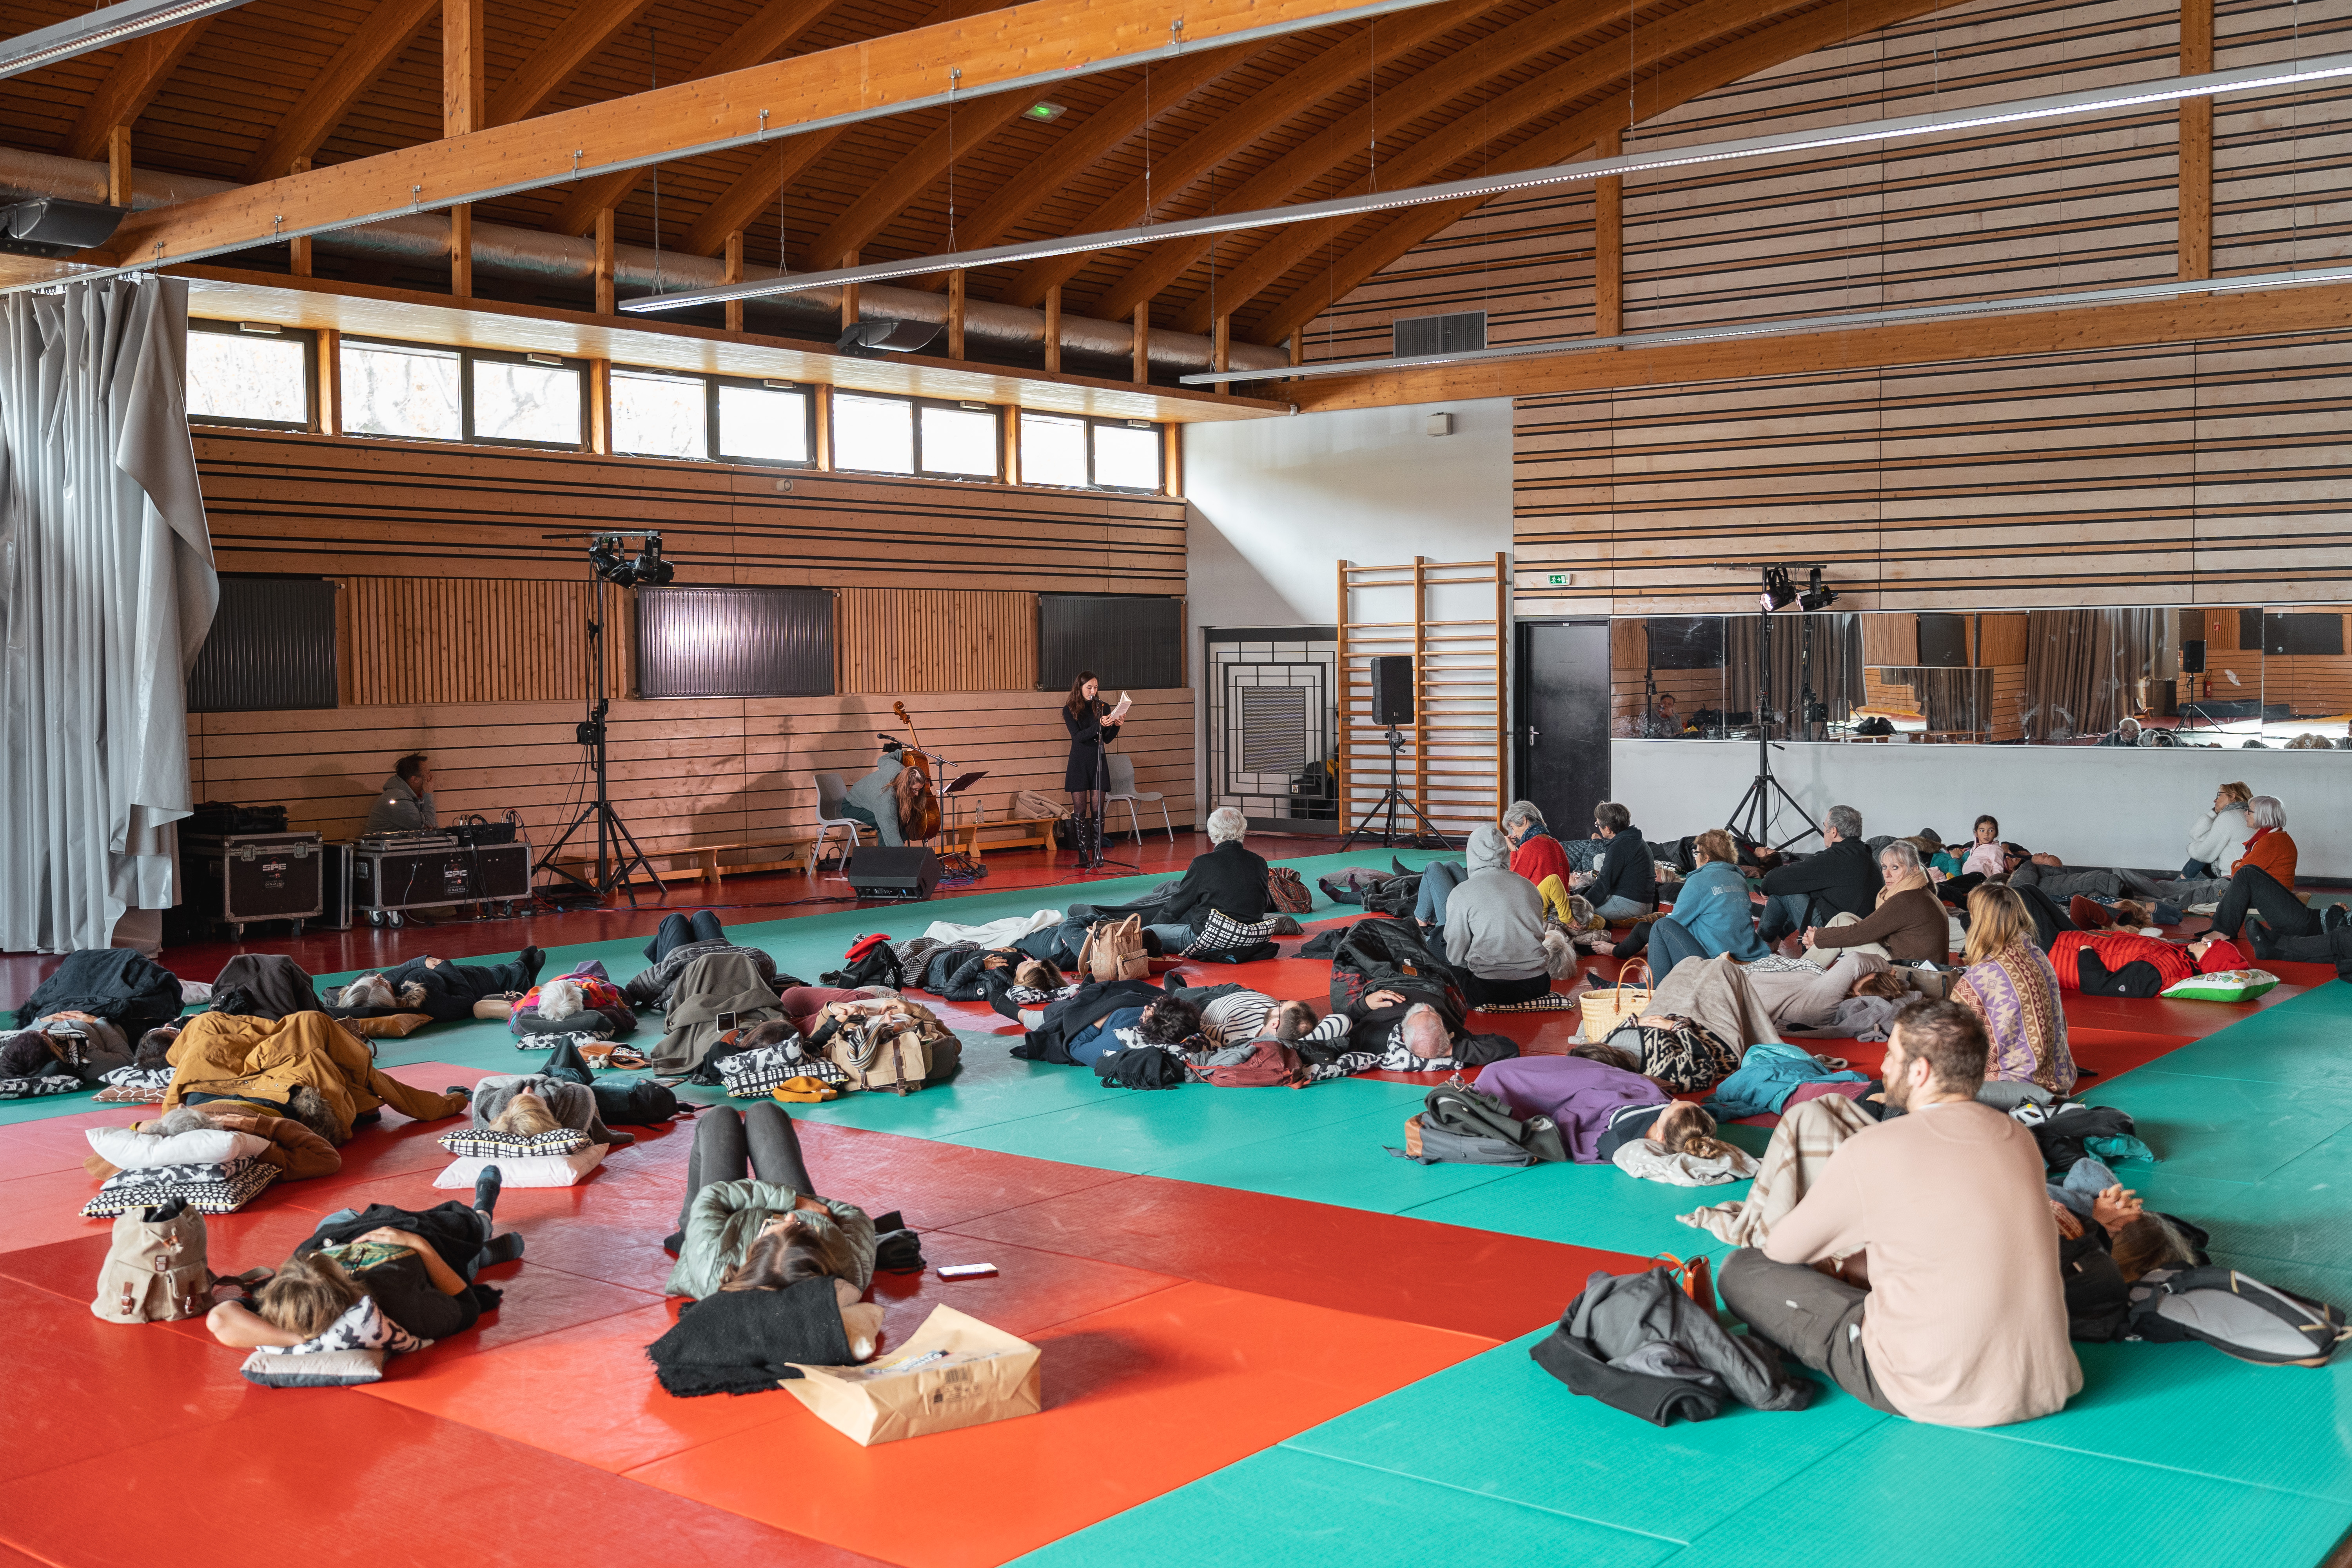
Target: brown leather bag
column 1114, row 950
column 900, row 1052
column 154, row 1269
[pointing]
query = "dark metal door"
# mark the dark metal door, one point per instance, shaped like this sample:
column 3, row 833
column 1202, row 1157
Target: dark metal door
column 1562, row 743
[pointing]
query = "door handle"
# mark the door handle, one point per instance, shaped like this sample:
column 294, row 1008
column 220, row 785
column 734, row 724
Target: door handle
column 1532, row 733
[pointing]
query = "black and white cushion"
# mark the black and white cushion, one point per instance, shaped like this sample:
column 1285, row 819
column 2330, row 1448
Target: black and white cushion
column 350, row 1351
column 1549, row 1001
column 487, row 1143
column 1223, row 934
column 32, row 1088
column 555, row 1039
column 754, row 1074
column 208, row 1189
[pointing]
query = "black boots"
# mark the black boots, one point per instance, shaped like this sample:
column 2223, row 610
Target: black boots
column 1090, row 843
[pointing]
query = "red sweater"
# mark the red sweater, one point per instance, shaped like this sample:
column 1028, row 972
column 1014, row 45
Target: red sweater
column 2273, row 851
column 1539, row 855
column 2173, row 961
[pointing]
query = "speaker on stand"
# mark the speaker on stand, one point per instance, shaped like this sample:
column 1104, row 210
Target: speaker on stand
column 1393, row 689
column 1393, row 705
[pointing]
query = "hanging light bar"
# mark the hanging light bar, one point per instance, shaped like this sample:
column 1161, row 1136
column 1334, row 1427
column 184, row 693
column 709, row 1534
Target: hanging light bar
column 1799, row 326
column 99, row 29
column 2171, row 89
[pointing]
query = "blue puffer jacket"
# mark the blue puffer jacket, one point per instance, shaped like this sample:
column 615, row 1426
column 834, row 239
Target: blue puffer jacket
column 1768, row 1074
column 1713, row 907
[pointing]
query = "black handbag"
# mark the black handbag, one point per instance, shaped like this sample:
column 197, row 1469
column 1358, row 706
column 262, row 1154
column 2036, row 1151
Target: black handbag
column 1682, row 1056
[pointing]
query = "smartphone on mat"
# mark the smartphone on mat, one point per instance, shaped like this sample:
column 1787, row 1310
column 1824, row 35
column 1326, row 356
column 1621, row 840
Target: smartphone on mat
column 965, row 1270
column 727, row 1023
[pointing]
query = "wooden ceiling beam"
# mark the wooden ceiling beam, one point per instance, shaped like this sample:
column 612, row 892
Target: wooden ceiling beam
column 1000, row 50
column 577, row 39
column 1297, row 91
column 1732, row 61
column 376, row 42
column 145, row 64
column 769, row 32
column 1340, row 142
column 2193, row 317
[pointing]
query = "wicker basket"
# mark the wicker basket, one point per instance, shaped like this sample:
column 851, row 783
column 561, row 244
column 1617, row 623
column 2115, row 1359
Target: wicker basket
column 1607, row 1011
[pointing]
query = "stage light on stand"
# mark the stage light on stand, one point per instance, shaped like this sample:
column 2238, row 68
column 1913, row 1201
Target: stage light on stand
column 651, row 571
column 605, row 559
column 1778, row 591
column 1816, row 596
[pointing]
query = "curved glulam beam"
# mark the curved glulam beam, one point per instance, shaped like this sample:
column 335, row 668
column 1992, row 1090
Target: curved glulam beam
column 146, row 63
column 1294, row 93
column 1499, row 52
column 769, row 31
column 1089, row 141
column 1733, row 61
column 577, row 39
column 373, row 47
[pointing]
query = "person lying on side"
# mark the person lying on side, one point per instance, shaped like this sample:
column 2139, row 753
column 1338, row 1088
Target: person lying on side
column 751, row 1218
column 419, row 1265
column 1587, row 1092
column 1951, row 1309
column 442, row 990
column 1909, row 921
column 298, row 1152
column 1679, row 1126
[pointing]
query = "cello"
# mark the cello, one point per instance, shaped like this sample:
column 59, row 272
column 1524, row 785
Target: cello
column 919, row 800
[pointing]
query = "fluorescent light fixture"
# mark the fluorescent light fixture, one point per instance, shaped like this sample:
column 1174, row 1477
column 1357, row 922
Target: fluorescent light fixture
column 102, row 28
column 1936, row 122
column 1796, row 326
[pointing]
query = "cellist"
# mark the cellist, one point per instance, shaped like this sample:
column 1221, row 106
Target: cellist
column 874, row 799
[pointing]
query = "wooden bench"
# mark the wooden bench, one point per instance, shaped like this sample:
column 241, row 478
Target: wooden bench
column 791, row 852
column 1033, row 833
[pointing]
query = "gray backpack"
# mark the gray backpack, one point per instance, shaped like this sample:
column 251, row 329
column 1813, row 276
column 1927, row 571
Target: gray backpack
column 2237, row 1315
column 1464, row 1125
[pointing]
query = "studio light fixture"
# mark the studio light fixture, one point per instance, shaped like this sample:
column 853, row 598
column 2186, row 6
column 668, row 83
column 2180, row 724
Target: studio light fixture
column 1935, row 122
column 100, row 29
column 1778, row 591
column 608, row 559
column 1816, row 596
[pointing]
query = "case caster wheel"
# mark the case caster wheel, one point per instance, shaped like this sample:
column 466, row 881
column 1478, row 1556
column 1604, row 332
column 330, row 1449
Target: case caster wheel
column 298, row 927
column 392, row 920
column 236, row 930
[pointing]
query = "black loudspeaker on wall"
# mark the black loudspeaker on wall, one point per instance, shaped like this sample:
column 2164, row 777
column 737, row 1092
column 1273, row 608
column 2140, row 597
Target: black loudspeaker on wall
column 1393, row 689
column 2192, row 655
column 885, row 871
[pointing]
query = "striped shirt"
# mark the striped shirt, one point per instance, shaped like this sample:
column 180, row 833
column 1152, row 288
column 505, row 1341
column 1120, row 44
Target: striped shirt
column 1241, row 1016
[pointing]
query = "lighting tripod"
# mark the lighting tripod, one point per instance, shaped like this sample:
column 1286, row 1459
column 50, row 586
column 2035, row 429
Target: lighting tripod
column 612, row 868
column 1390, row 798
column 1753, row 817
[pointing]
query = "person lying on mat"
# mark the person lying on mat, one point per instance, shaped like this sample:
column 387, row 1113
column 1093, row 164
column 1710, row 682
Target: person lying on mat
column 439, row 988
column 1677, row 1126
column 1807, row 998
column 1712, row 914
column 1495, row 926
column 1585, row 1092
column 419, row 1265
column 1402, row 1029
column 679, row 941
column 1950, row 1309
column 1233, row 1014
column 1166, row 1021
column 1909, row 922
column 751, row 1218
column 298, row 1152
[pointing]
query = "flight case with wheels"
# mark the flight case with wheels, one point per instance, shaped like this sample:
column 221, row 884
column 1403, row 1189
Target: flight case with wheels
column 437, row 872
column 236, row 879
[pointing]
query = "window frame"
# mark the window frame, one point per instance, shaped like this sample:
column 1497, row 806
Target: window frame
column 709, row 412
column 308, row 339
column 916, row 405
column 809, row 394
column 1092, row 422
column 467, row 434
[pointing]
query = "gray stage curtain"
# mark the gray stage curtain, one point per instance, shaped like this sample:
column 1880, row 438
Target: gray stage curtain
column 1829, row 661
column 2080, row 667
column 107, row 589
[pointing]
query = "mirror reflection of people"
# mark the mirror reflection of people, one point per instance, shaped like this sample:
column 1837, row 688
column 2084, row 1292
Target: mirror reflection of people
column 1663, row 718
column 405, row 804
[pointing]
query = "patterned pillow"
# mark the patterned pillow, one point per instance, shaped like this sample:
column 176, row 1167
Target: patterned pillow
column 208, row 1189
column 534, row 1170
column 350, row 1351
column 482, row 1143
column 28, row 1087
column 1223, row 934
column 754, row 1074
column 1549, row 1001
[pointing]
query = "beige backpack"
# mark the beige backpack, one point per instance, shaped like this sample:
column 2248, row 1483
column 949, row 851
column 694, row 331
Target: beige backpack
column 1114, row 950
column 898, row 1051
column 154, row 1269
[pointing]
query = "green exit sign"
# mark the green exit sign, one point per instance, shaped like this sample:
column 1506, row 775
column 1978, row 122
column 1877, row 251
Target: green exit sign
column 1557, row 580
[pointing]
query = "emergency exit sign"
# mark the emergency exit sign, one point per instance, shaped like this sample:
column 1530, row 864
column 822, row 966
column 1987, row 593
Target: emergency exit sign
column 1557, row 580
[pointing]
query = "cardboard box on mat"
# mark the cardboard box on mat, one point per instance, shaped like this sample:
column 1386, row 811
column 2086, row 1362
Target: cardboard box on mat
column 955, row 1371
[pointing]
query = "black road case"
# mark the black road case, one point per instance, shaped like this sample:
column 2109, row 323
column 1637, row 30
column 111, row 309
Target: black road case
column 238, row 878
column 386, row 881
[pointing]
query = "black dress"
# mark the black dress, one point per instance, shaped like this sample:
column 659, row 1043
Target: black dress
column 1087, row 769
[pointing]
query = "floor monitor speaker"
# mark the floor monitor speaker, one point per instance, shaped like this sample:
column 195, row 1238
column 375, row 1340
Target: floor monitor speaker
column 893, row 871
column 1393, row 689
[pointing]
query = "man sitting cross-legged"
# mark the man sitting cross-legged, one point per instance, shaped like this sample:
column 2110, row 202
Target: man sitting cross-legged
column 1950, row 1308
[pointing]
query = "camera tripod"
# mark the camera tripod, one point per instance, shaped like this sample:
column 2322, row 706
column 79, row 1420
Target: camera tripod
column 1753, row 817
column 1390, row 798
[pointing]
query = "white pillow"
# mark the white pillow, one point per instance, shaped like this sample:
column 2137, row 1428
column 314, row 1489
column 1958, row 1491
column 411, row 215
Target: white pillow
column 130, row 1151
column 530, row 1170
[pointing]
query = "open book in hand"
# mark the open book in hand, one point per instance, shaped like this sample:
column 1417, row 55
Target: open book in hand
column 1124, row 702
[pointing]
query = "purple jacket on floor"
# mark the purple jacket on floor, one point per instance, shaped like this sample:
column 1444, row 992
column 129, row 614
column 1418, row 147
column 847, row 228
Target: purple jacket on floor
column 1580, row 1095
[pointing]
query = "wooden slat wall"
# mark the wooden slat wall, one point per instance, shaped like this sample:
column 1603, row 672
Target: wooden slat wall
column 317, row 503
column 937, row 639
column 2217, row 473
column 461, row 631
column 410, row 640
column 683, row 772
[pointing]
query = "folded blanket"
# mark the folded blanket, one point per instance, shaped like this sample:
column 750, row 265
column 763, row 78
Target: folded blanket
column 745, row 1341
column 1799, row 1151
column 1649, row 1161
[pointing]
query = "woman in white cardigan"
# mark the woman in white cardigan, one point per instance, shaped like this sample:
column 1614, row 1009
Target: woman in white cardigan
column 2217, row 837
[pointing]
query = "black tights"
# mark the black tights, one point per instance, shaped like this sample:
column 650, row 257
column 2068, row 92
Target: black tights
column 1087, row 803
column 732, row 1146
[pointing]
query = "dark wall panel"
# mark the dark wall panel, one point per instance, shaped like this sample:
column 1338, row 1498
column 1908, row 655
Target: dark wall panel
column 1132, row 641
column 272, row 645
column 734, row 642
